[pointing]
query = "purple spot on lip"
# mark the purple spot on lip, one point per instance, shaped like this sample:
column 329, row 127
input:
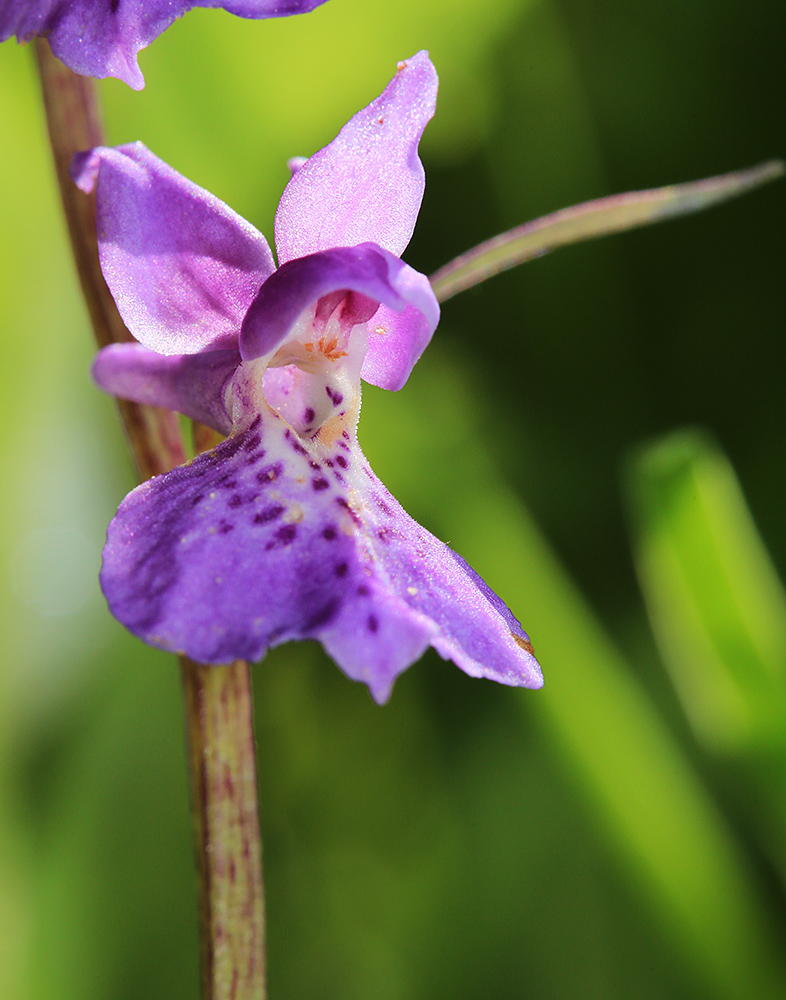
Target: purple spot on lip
column 256, row 457
column 343, row 503
column 363, row 590
column 269, row 473
column 269, row 514
column 329, row 534
column 229, row 447
column 252, row 442
column 323, row 615
column 195, row 500
column 372, row 623
column 308, row 415
column 286, row 534
column 320, row 484
column 236, row 501
column 383, row 506
column 340, row 460
column 341, row 570
column 225, row 527
column 336, row 398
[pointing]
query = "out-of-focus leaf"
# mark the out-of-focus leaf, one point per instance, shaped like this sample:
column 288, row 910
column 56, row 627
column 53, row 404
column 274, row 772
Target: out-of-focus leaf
column 714, row 597
column 718, row 610
column 659, row 818
column 591, row 219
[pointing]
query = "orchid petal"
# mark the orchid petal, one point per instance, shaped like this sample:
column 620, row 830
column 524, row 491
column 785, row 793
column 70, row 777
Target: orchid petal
column 182, row 267
column 591, row 219
column 366, row 185
column 102, row 37
column 263, row 540
column 397, row 339
column 367, row 269
column 191, row 384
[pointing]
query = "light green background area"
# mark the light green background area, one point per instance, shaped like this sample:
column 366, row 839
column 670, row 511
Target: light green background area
column 590, row 840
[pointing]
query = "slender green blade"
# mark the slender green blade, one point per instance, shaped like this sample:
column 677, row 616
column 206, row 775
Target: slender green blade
column 717, row 606
column 718, row 610
column 590, row 219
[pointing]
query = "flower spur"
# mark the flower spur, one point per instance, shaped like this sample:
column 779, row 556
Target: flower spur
column 283, row 531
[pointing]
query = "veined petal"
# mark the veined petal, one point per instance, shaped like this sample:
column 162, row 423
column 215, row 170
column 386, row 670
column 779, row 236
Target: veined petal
column 264, row 540
column 191, row 384
column 367, row 269
column 366, row 185
column 182, row 267
column 102, row 37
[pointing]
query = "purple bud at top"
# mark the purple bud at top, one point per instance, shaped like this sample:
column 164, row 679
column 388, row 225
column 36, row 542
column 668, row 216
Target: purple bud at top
column 103, row 37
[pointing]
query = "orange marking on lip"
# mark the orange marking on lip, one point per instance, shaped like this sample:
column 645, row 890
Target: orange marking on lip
column 525, row 644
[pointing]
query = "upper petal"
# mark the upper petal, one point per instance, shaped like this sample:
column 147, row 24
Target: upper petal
column 102, row 37
column 367, row 269
column 182, row 266
column 191, row 384
column 366, row 185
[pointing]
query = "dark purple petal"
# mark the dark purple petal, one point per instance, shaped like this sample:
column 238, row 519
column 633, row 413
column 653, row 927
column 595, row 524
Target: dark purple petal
column 191, row 384
column 368, row 183
column 102, row 37
column 367, row 269
column 264, row 540
column 182, row 266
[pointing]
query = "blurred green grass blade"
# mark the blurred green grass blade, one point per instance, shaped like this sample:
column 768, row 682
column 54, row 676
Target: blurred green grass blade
column 591, row 219
column 718, row 610
column 716, row 604
column 688, row 868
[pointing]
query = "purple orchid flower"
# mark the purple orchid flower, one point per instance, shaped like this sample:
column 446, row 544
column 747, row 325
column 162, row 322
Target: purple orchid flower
column 102, row 37
column 283, row 531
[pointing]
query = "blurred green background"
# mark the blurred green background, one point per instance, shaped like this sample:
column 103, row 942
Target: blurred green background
column 581, row 429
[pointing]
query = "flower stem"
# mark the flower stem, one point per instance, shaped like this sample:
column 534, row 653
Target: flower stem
column 218, row 700
column 219, row 718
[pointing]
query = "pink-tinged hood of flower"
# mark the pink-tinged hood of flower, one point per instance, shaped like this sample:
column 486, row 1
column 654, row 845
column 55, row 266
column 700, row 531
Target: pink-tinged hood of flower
column 103, row 37
column 283, row 531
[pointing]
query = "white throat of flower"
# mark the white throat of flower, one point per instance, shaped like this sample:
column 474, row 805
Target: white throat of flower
column 312, row 381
